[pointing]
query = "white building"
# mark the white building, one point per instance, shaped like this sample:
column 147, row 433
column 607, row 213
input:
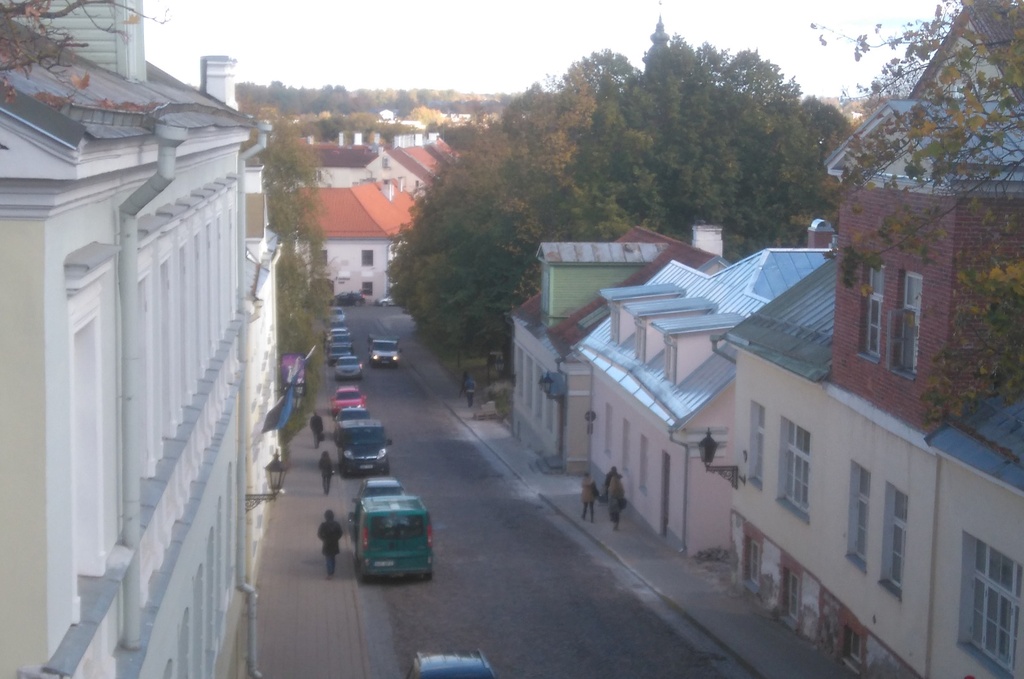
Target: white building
column 126, row 345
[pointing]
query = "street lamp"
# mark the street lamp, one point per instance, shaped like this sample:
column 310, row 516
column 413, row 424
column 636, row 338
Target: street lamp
column 275, row 480
column 708, row 446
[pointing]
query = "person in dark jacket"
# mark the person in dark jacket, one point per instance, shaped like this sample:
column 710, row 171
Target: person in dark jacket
column 316, row 425
column 588, row 494
column 326, row 470
column 616, row 495
column 330, row 535
column 470, row 388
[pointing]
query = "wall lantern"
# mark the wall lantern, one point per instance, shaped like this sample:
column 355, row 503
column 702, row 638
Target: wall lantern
column 708, row 447
column 545, row 383
column 275, row 480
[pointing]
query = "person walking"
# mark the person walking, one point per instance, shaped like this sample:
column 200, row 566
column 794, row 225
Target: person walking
column 616, row 499
column 316, row 425
column 330, row 535
column 470, row 387
column 608, row 479
column 326, row 470
column 462, row 386
column 588, row 494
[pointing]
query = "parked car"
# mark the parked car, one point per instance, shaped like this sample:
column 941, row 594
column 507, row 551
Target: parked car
column 337, row 314
column 471, row 665
column 375, row 486
column 363, row 447
column 337, row 350
column 351, row 298
column 393, row 537
column 384, row 301
column 348, row 368
column 345, row 397
column 344, row 415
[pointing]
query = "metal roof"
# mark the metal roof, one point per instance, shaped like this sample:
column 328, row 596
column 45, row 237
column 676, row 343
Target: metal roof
column 638, row 291
column 673, row 305
column 991, row 440
column 600, row 253
column 794, row 331
column 704, row 323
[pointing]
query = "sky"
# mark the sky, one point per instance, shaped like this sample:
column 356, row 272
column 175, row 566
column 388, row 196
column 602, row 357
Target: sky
column 504, row 47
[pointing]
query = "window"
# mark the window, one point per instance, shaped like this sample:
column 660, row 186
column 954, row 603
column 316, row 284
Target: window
column 385, row 162
column 670, row 359
column 991, row 602
column 323, row 257
column 857, row 531
column 876, row 285
column 852, row 648
column 625, row 445
column 367, row 257
column 904, row 325
column 894, row 549
column 752, row 564
column 756, row 457
column 368, row 288
column 607, row 430
column 791, row 594
column 796, row 464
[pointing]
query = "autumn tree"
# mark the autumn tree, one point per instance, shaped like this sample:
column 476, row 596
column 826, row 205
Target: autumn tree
column 289, row 172
column 959, row 139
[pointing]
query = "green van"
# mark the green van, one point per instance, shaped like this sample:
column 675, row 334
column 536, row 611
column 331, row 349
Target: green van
column 393, row 537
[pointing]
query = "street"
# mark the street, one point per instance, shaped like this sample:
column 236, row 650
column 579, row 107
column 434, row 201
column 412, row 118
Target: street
column 512, row 578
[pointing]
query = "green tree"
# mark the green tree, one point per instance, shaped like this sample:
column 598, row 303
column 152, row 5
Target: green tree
column 289, row 173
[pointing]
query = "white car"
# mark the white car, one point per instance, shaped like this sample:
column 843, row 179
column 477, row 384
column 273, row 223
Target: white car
column 385, row 301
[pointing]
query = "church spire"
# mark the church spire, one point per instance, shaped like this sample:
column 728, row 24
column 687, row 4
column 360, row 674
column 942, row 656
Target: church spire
column 659, row 39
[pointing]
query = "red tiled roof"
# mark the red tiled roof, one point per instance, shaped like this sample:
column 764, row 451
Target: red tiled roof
column 363, row 211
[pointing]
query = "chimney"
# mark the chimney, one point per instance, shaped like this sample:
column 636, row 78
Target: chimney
column 357, row 139
column 376, row 138
column 389, row 191
column 418, row 139
column 341, row 139
column 820, row 235
column 309, row 140
column 708, row 238
column 217, row 79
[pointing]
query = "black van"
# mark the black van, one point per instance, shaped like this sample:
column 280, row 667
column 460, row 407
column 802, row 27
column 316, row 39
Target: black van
column 362, row 447
column 393, row 536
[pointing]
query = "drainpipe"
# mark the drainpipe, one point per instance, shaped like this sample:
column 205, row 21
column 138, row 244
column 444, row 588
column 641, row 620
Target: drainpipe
column 686, row 484
column 244, row 427
column 168, row 139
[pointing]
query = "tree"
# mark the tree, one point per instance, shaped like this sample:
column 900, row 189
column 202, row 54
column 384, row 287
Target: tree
column 960, row 138
column 289, row 174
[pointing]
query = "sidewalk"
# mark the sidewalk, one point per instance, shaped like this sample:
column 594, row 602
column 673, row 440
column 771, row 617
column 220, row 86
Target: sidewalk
column 702, row 592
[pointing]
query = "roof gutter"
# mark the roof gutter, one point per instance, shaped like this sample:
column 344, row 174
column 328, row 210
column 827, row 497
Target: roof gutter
column 132, row 442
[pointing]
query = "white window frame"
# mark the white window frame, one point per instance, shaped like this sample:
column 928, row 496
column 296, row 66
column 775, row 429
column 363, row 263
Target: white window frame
column 755, row 458
column 894, row 549
column 873, row 322
column 905, row 325
column 795, row 462
column 860, row 500
column 991, row 602
column 670, row 359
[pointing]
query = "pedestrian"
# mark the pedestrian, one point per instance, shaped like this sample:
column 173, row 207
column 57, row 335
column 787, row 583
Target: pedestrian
column 470, row 388
column 326, row 470
column 462, row 385
column 588, row 494
column 316, row 425
column 608, row 479
column 616, row 499
column 330, row 535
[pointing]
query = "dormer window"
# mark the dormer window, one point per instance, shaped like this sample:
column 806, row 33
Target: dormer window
column 641, row 340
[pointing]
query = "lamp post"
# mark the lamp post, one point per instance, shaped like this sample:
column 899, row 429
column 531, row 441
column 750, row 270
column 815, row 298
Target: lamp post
column 275, row 480
column 708, row 447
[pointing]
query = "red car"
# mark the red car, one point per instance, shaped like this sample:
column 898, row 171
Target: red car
column 347, row 397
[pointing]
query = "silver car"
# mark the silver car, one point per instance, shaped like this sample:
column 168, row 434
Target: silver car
column 348, row 368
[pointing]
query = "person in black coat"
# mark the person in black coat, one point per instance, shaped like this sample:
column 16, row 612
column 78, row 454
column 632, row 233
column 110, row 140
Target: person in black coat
column 326, row 470
column 330, row 535
column 316, row 425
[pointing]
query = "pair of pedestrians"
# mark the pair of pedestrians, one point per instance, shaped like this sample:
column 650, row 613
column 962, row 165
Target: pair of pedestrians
column 614, row 491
